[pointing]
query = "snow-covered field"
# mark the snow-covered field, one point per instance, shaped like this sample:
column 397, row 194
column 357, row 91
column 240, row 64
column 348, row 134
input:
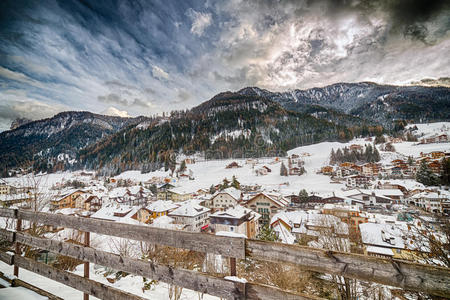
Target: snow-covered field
column 212, row 172
column 431, row 128
column 414, row 149
column 131, row 284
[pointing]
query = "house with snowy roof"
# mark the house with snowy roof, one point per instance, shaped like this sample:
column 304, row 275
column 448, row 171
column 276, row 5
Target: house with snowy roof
column 267, row 205
column 65, row 199
column 221, row 200
column 430, row 201
column 176, row 194
column 392, row 241
column 236, row 219
column 306, row 225
column 154, row 210
column 194, row 216
column 117, row 212
column 349, row 214
column 369, row 197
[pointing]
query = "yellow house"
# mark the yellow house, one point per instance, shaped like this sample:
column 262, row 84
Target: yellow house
column 179, row 195
column 390, row 241
column 154, row 210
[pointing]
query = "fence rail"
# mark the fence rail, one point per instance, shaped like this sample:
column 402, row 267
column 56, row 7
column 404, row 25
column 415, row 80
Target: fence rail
column 392, row 272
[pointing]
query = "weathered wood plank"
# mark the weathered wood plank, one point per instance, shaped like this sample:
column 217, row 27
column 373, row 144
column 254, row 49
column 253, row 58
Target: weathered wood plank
column 411, row 276
column 7, row 213
column 7, row 258
column 188, row 279
column 256, row 291
column 227, row 246
column 91, row 287
column 6, row 235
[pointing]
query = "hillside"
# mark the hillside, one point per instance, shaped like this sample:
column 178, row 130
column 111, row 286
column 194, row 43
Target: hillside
column 367, row 102
column 54, row 143
column 228, row 125
column 250, row 122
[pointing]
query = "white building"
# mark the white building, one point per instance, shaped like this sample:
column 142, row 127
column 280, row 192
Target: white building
column 227, row 198
column 194, row 216
column 238, row 219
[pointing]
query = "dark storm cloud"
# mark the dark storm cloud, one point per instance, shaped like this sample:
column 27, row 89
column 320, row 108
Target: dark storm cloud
column 407, row 17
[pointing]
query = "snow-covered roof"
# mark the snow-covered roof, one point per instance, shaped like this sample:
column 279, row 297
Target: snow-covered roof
column 383, row 235
column 118, row 192
column 307, row 219
column 233, row 192
column 236, row 212
column 283, row 234
column 107, row 212
column 179, row 190
column 231, row 234
column 383, row 192
column 189, row 209
column 380, row 250
column 341, row 206
column 161, row 206
column 431, row 195
column 277, row 198
column 166, row 222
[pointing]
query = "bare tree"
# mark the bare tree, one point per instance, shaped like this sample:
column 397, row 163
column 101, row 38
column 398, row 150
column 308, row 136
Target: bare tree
column 430, row 241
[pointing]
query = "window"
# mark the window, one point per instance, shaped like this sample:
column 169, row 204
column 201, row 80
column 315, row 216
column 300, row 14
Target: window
column 231, row 228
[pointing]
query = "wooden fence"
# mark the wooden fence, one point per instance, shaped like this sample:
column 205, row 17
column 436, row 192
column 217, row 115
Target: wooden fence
column 392, row 272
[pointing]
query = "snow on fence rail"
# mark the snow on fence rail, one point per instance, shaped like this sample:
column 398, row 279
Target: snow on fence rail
column 407, row 275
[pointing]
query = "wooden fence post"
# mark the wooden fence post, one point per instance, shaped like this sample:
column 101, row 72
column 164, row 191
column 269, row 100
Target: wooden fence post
column 17, row 250
column 86, row 264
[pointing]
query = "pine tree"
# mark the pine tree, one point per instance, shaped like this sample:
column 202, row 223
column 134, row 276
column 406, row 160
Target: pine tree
column 235, row 183
column 425, row 175
column 410, row 161
column 303, row 195
column 283, row 170
column 332, row 157
column 212, row 189
column 445, row 174
column 267, row 234
column 225, row 184
column 376, row 155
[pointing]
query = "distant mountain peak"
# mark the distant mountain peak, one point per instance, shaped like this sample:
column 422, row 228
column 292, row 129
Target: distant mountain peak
column 19, row 122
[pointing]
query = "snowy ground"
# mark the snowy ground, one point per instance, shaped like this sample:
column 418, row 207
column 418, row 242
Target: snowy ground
column 131, row 284
column 431, row 128
column 414, row 149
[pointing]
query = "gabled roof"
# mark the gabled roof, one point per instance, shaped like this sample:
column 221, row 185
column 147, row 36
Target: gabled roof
column 108, row 212
column 236, row 212
column 234, row 193
column 277, row 199
column 189, row 209
column 161, row 206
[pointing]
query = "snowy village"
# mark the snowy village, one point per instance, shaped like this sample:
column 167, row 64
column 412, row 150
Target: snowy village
column 224, row 149
column 379, row 197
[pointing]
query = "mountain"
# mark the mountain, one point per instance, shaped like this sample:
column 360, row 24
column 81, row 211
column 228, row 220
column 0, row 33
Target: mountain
column 374, row 103
column 251, row 122
column 228, row 125
column 19, row 122
column 443, row 81
column 56, row 141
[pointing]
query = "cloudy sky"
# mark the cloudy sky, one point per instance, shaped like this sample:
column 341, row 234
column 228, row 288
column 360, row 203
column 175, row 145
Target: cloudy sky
column 145, row 57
